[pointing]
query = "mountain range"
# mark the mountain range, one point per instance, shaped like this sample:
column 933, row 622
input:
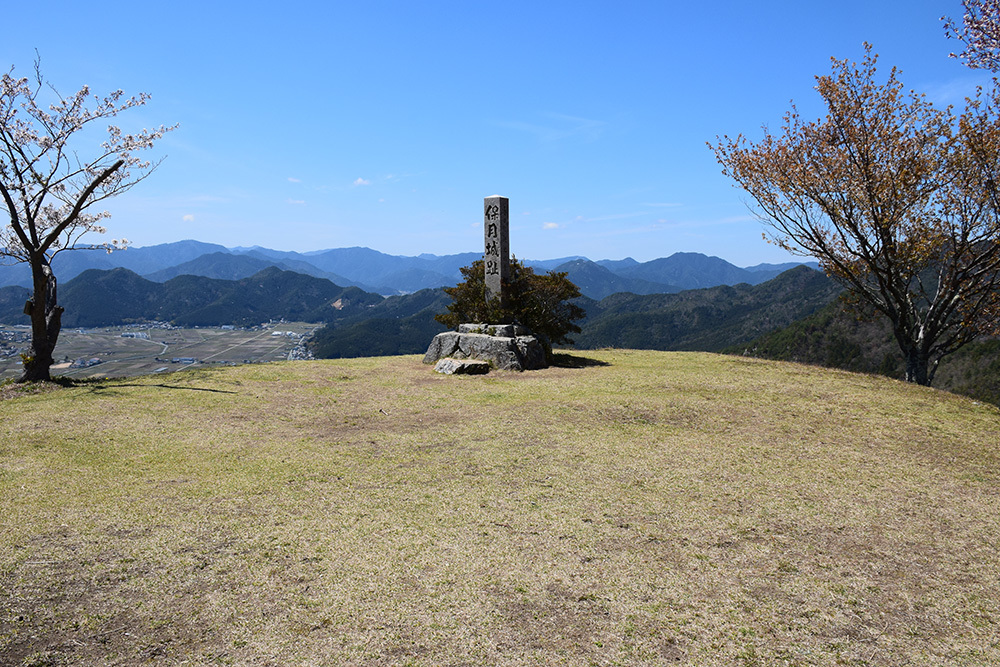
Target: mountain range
column 794, row 315
column 377, row 272
column 677, row 300
column 688, row 299
column 120, row 296
column 707, row 319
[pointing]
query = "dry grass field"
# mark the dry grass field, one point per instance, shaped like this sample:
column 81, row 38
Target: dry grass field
column 627, row 508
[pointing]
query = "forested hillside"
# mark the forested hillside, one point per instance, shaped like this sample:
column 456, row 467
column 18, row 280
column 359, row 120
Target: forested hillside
column 706, row 319
column 398, row 325
column 105, row 298
column 838, row 336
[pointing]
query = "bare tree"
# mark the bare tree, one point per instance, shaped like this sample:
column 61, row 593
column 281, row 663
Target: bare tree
column 896, row 199
column 980, row 31
column 48, row 189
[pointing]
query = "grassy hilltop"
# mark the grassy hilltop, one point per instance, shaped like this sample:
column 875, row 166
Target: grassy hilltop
column 630, row 508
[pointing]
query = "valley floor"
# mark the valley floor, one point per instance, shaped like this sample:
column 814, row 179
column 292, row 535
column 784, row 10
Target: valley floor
column 126, row 351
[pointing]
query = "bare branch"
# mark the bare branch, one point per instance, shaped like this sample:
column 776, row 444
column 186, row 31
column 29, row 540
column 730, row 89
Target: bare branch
column 82, row 202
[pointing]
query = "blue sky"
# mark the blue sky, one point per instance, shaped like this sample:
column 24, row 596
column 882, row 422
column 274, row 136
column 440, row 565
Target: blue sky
column 312, row 125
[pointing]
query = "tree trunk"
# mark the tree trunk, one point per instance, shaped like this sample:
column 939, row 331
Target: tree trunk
column 917, row 366
column 46, row 321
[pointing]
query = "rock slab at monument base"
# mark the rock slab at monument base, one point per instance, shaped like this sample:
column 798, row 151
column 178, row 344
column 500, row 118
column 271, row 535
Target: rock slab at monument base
column 449, row 366
column 518, row 350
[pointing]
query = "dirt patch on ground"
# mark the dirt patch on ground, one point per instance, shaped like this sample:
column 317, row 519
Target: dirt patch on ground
column 10, row 390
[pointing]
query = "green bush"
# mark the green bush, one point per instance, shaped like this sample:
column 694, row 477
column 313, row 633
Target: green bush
column 539, row 302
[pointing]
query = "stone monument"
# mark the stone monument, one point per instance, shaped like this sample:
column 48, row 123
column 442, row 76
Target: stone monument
column 475, row 348
column 496, row 257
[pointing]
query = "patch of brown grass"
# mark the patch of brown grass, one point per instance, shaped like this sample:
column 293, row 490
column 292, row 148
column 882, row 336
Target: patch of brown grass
column 664, row 508
column 10, row 389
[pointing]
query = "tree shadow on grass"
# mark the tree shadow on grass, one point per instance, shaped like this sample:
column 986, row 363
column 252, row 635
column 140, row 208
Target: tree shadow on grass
column 565, row 360
column 173, row 386
column 97, row 385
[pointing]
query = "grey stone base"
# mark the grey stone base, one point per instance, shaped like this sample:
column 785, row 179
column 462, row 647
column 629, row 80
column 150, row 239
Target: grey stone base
column 502, row 330
column 450, row 366
column 507, row 347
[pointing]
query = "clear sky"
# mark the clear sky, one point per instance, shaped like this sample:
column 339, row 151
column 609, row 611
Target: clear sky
column 313, row 125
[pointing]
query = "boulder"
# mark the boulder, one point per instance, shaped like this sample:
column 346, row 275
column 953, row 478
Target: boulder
column 518, row 351
column 450, row 366
column 531, row 352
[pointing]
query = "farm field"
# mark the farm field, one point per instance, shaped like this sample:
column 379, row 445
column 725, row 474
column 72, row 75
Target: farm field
column 113, row 352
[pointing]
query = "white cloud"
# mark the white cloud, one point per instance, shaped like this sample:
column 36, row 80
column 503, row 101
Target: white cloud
column 680, row 223
column 188, row 218
column 615, row 216
column 557, row 127
column 296, row 201
column 550, row 225
column 955, row 91
column 361, row 181
column 292, row 179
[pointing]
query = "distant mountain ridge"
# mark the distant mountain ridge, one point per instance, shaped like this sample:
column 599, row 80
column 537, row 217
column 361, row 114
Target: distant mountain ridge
column 707, row 319
column 596, row 281
column 374, row 271
column 226, row 266
column 704, row 319
column 120, row 296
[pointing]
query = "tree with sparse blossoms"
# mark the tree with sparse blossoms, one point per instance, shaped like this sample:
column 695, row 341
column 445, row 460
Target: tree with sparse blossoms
column 980, row 31
column 48, row 187
column 896, row 198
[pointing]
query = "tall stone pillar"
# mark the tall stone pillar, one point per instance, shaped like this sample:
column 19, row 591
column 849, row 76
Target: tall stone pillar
column 496, row 230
